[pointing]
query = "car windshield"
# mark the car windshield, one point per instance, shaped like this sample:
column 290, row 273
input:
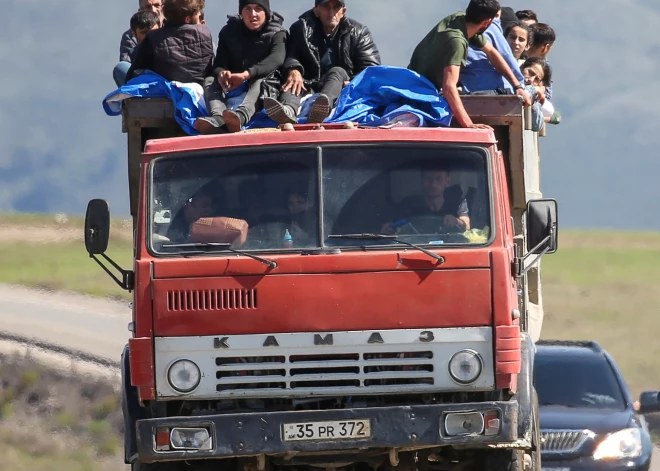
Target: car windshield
column 577, row 381
column 270, row 200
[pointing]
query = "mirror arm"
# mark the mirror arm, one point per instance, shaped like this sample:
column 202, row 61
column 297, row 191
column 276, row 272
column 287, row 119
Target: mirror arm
column 522, row 267
column 127, row 282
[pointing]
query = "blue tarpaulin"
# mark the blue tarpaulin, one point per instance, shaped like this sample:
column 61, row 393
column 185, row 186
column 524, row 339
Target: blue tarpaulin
column 382, row 94
column 188, row 98
column 378, row 96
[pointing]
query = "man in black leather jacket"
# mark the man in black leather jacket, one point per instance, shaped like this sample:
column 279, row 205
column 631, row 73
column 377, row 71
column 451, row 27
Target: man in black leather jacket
column 324, row 52
column 251, row 51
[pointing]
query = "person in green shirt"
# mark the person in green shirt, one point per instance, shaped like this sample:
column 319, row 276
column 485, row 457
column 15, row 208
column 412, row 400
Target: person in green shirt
column 441, row 54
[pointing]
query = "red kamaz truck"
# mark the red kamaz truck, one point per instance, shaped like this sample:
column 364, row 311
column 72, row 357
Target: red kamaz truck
column 332, row 297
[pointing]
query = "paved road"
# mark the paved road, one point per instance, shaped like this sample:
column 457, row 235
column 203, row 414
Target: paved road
column 90, row 325
column 655, row 461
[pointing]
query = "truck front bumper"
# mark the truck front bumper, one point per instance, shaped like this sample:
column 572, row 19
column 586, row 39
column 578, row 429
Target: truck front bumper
column 252, row 434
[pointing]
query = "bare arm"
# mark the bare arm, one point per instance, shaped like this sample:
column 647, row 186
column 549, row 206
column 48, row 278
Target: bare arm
column 450, row 92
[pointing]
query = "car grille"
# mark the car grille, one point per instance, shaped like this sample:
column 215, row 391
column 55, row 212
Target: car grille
column 564, row 441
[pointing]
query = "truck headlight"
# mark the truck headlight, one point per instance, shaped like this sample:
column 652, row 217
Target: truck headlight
column 465, row 366
column 184, row 376
column 620, row 445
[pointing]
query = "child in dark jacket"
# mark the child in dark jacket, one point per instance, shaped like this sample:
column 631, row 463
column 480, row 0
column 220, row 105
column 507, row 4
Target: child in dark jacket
column 251, row 50
column 182, row 50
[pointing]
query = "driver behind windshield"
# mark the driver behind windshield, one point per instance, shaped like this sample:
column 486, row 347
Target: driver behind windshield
column 204, row 203
column 440, row 209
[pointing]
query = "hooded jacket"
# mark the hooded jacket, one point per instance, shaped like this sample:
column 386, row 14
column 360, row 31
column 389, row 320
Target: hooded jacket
column 261, row 52
column 178, row 52
column 357, row 50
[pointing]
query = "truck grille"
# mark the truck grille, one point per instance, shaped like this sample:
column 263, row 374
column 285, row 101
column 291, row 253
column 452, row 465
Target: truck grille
column 328, row 364
column 324, row 373
column 211, row 300
column 564, row 441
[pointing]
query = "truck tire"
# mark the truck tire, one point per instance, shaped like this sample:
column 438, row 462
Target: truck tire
column 535, row 452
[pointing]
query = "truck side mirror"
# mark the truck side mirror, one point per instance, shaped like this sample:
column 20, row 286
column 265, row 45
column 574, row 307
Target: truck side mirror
column 97, row 227
column 542, row 228
column 649, row 402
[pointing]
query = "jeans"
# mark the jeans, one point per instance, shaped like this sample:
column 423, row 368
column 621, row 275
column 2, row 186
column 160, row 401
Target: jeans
column 119, row 73
column 331, row 85
column 216, row 101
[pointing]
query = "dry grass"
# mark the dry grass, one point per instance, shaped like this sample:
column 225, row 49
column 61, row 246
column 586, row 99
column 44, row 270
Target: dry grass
column 605, row 287
column 54, row 421
column 47, row 252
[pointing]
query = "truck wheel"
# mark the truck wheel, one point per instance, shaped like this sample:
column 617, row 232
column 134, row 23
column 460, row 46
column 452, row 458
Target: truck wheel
column 535, row 452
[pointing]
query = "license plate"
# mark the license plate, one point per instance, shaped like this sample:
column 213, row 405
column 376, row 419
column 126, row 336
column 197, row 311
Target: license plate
column 335, row 430
column 555, row 469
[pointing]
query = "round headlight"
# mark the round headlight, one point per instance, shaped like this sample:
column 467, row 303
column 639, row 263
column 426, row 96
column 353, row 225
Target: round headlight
column 184, row 376
column 465, row 366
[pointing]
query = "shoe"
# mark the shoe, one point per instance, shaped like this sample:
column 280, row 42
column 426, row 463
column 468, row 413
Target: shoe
column 281, row 114
column 320, row 109
column 234, row 120
column 208, row 125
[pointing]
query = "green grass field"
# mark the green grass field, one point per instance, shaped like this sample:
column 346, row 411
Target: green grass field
column 602, row 286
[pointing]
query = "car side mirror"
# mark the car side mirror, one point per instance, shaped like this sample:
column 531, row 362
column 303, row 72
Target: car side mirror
column 542, row 226
column 97, row 227
column 649, row 402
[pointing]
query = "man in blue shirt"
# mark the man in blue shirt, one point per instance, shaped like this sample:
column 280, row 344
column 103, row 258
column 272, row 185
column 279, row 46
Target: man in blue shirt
column 479, row 74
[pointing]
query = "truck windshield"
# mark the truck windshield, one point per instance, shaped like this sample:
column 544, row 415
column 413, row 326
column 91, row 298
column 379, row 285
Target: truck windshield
column 272, row 199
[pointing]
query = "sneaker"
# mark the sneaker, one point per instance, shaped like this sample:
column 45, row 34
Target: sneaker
column 234, row 120
column 208, row 125
column 281, row 114
column 320, row 109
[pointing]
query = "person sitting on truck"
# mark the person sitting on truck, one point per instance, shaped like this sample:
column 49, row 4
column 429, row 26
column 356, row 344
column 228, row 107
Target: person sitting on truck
column 543, row 38
column 479, row 74
column 441, row 54
column 141, row 23
column 519, row 37
column 527, row 17
column 508, row 17
column 538, row 75
column 442, row 206
column 128, row 39
column 251, row 50
column 326, row 50
column 182, row 50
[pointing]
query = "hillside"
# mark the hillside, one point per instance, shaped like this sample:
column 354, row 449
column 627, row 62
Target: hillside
column 58, row 149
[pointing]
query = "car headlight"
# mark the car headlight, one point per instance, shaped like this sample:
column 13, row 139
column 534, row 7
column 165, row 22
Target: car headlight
column 465, row 366
column 184, row 376
column 620, row 445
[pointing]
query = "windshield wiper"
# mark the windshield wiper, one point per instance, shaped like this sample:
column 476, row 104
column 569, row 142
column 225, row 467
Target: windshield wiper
column 220, row 247
column 393, row 238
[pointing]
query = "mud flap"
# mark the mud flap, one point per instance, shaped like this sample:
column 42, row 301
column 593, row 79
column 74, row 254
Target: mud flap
column 525, row 392
column 131, row 409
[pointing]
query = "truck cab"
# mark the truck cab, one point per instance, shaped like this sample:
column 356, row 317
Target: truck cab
column 333, row 296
